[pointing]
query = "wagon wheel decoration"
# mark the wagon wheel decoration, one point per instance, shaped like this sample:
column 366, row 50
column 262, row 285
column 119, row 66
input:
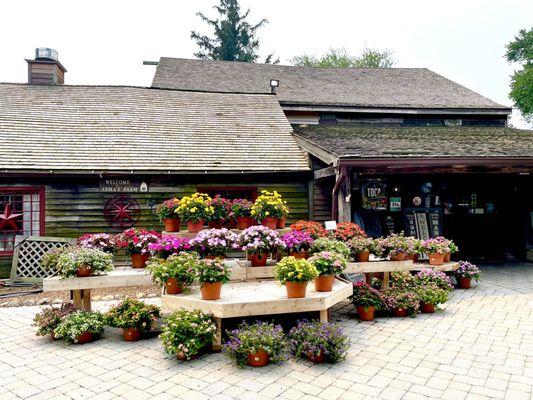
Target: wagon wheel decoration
column 122, row 211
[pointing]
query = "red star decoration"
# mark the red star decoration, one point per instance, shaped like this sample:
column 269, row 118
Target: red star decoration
column 8, row 219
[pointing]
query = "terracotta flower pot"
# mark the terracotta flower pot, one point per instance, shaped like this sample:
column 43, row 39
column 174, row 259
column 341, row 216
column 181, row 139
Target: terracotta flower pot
column 320, row 358
column 400, row 312
column 173, row 286
column 270, row 222
column 427, row 308
column 139, row 260
column 212, row 257
column 244, row 222
column 131, row 334
column 300, row 255
column 85, row 337
column 362, row 257
column 217, row 224
column 464, row 283
column 436, row 259
column 53, row 336
column 409, row 257
column 259, row 259
column 211, row 290
column 84, row 271
column 324, row 283
column 295, row 290
column 280, row 224
column 366, row 313
column 447, row 257
column 259, row 359
column 172, row 224
column 183, row 357
column 194, row 227
column 397, row 257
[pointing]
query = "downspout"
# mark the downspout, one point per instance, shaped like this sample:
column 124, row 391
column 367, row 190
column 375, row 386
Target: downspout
column 336, row 188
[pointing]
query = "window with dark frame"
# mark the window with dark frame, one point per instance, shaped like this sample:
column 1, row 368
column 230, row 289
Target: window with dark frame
column 21, row 213
column 230, row 192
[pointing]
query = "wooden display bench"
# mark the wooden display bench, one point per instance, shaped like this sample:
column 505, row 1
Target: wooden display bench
column 187, row 234
column 80, row 288
column 264, row 297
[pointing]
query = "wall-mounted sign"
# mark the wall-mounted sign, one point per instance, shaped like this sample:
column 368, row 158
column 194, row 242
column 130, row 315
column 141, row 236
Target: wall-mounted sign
column 122, row 186
column 395, row 203
column 417, row 201
column 374, row 195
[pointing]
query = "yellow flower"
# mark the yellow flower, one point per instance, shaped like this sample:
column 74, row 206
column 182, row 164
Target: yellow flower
column 193, row 209
column 267, row 213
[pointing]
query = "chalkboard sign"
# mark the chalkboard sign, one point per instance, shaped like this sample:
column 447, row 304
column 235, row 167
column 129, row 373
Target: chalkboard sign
column 410, row 224
column 435, row 224
column 423, row 223
column 389, row 223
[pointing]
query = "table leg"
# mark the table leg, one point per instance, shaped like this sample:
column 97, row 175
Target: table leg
column 217, row 343
column 86, row 299
column 385, row 281
column 77, row 299
column 324, row 315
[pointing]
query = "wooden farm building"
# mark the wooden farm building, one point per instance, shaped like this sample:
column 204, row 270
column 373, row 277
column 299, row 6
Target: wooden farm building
column 392, row 149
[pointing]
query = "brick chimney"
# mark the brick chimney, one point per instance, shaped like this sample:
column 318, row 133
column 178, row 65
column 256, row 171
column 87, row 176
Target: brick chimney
column 46, row 68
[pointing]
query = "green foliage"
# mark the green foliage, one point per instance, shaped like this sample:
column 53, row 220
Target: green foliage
column 328, row 263
column 336, row 246
column 367, row 296
column 520, row 50
column 178, row 266
column 50, row 259
column 403, row 279
column 432, row 294
column 186, row 333
column 49, row 318
column 73, row 325
column 339, row 58
column 235, row 39
column 71, row 259
column 132, row 313
column 212, row 271
column 291, row 269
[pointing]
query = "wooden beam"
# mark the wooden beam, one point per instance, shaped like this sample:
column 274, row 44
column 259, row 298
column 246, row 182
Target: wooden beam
column 319, row 152
column 324, row 173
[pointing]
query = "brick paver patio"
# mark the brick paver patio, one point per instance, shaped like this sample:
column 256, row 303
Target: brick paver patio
column 480, row 347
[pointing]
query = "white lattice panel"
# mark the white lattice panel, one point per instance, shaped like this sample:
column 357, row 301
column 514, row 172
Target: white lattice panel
column 28, row 254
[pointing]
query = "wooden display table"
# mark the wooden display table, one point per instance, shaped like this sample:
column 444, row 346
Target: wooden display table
column 246, row 299
column 187, row 234
column 81, row 287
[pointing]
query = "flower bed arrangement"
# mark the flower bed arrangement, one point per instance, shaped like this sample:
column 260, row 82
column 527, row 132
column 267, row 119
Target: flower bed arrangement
column 186, row 334
column 367, row 300
column 98, row 241
column 465, row 273
column 82, row 262
column 268, row 208
column 297, row 243
column 168, row 245
column 436, row 250
column 134, row 317
column 403, row 280
column 256, row 344
column 346, row 231
column 401, row 301
column 258, row 242
column 295, row 274
column 394, row 246
column 136, row 243
column 221, row 211
column 241, row 210
column 319, row 341
column 313, row 228
column 166, row 212
column 328, row 264
column 431, row 296
column 214, row 242
column 80, row 327
column 195, row 210
column 325, row 244
column 429, row 276
column 49, row 318
column 175, row 272
column 361, row 248
column 211, row 274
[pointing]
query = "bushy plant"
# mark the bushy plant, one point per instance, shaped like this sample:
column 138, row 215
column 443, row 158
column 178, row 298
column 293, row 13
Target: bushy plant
column 269, row 204
column 316, row 338
column 346, row 231
column 403, row 280
column 366, row 296
column 291, row 269
column 295, row 241
column 211, row 271
column 328, row 263
column 131, row 313
column 259, row 239
column 186, row 333
column 167, row 209
column 99, row 241
column 178, row 266
column 49, row 259
column 168, row 245
column 360, row 244
column 195, row 208
column 468, row 270
column 427, row 276
column 73, row 258
column 241, row 208
column 434, row 246
column 431, row 293
column 394, row 244
column 398, row 297
column 251, row 338
column 136, row 241
column 74, row 324
column 412, row 246
column 49, row 318
column 221, row 208
column 325, row 244
column 214, row 242
column 313, row 228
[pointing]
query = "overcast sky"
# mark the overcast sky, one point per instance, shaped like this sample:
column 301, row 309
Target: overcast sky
column 105, row 42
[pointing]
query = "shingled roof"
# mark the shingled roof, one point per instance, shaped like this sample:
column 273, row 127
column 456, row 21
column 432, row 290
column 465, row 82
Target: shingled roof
column 357, row 87
column 123, row 129
column 419, row 142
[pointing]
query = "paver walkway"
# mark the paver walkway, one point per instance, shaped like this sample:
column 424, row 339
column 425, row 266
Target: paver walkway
column 480, row 347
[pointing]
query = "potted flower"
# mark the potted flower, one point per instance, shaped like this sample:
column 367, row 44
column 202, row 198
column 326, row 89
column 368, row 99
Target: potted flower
column 436, row 250
column 325, row 244
column 175, row 272
column 195, row 210
column 295, row 274
column 313, row 228
column 297, row 243
column 346, row 231
column 404, row 280
column 241, row 210
column 412, row 248
column 401, row 301
column 258, row 242
column 328, row 264
column 49, row 318
column 465, row 273
column 168, row 245
column 186, row 334
column 451, row 247
column 136, row 243
column 50, row 258
column 429, row 276
column 319, row 341
column 430, row 296
column 99, row 241
column 80, row 327
column 213, row 243
column 268, row 208
column 360, row 248
column 366, row 300
column 211, row 274
column 134, row 317
column 166, row 211
column 221, row 212
column 82, row 262
column 395, row 246
column 256, row 344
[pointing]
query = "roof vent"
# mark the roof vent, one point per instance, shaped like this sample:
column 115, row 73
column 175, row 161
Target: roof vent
column 44, row 53
column 46, row 68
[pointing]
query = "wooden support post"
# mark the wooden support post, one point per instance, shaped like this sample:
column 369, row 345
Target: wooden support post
column 86, row 299
column 324, row 315
column 77, row 298
column 217, row 342
column 385, row 281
